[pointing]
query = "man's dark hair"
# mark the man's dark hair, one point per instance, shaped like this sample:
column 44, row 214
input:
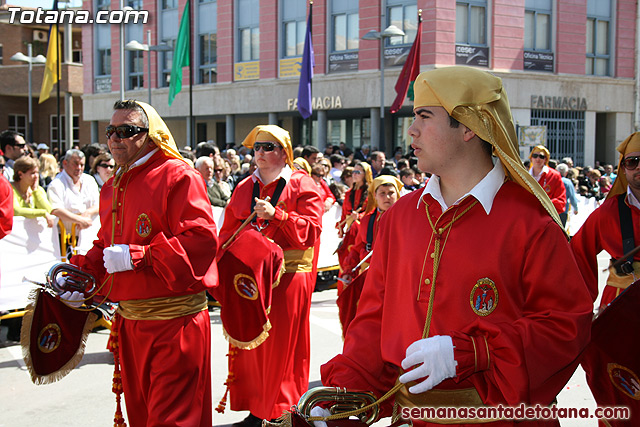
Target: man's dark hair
column 336, row 158
column 406, row 172
column 388, row 171
column 374, row 155
column 206, row 149
column 93, row 150
column 453, row 123
column 132, row 105
column 402, row 164
column 308, row 150
column 8, row 137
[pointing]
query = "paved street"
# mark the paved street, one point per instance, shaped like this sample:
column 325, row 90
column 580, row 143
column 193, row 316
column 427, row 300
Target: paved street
column 84, row 397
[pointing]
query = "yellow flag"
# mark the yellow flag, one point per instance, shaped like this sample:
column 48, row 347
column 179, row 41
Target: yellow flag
column 52, row 67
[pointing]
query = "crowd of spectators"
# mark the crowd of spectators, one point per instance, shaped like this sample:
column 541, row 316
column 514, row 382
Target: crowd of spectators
column 332, row 169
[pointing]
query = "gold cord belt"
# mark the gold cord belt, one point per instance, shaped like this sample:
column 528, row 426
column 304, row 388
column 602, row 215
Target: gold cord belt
column 163, row 308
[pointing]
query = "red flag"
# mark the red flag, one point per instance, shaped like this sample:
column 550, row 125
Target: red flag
column 410, row 70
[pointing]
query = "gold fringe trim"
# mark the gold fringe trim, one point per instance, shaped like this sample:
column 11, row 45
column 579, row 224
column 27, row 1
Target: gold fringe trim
column 25, row 342
column 254, row 343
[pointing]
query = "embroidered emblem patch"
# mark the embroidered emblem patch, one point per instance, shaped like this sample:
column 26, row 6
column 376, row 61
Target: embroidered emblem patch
column 49, row 338
column 245, row 286
column 625, row 380
column 484, row 297
column 143, row 225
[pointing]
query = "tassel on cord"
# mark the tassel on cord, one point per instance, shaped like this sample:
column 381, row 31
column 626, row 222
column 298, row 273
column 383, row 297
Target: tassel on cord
column 114, row 347
column 230, row 378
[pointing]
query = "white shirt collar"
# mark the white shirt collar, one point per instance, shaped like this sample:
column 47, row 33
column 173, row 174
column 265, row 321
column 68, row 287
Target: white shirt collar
column 285, row 173
column 545, row 169
column 485, row 191
column 631, row 198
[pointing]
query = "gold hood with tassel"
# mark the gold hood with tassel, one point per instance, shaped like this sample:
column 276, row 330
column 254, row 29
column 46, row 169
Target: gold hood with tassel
column 478, row 100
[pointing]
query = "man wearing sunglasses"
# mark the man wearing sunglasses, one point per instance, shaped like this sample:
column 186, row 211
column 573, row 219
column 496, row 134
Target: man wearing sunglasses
column 155, row 252
column 549, row 179
column 473, row 297
column 13, row 145
column 603, row 230
column 273, row 376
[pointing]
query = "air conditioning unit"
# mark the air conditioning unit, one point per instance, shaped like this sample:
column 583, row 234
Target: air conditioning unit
column 40, row 36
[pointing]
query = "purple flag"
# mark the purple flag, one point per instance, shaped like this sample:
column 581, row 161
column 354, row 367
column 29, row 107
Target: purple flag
column 306, row 73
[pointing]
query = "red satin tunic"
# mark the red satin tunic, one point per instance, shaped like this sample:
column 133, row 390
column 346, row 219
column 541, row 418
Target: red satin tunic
column 273, row 376
column 528, row 328
column 164, row 215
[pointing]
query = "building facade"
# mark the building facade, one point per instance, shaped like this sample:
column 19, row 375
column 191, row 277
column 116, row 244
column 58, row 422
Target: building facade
column 569, row 67
column 14, row 86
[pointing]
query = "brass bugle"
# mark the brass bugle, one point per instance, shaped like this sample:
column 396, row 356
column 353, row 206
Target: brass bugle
column 75, row 279
column 343, row 401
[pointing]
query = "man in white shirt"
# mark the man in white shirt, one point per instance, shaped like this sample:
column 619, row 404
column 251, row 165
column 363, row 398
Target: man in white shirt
column 74, row 195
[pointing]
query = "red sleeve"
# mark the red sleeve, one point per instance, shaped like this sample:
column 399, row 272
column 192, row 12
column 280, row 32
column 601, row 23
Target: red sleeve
column 6, row 207
column 595, row 235
column 557, row 193
column 302, row 224
column 327, row 192
column 358, row 248
column 347, row 207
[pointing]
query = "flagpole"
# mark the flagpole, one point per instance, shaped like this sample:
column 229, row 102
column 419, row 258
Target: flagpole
column 191, row 57
column 310, row 124
column 58, row 88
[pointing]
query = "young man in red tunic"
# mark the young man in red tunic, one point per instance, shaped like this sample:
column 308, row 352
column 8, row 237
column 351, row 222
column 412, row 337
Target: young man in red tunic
column 270, row 378
column 155, row 252
column 601, row 231
column 473, row 297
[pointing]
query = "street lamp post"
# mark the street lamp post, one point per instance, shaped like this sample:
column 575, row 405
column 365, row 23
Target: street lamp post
column 390, row 31
column 135, row 45
column 30, row 60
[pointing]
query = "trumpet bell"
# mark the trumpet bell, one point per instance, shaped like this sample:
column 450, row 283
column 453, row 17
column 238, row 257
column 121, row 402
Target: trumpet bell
column 343, row 401
column 74, row 279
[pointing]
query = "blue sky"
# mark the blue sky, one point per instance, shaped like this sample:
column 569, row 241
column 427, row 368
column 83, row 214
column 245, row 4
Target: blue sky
column 47, row 4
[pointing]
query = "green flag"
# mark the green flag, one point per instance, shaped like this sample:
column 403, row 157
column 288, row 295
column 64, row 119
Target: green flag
column 180, row 54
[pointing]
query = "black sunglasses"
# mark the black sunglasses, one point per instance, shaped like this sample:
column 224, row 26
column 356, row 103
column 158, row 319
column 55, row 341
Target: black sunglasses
column 124, row 131
column 265, row 146
column 218, row 170
column 105, row 165
column 536, row 155
column 630, row 163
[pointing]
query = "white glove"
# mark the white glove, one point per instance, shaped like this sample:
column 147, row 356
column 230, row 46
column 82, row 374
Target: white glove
column 438, row 363
column 317, row 411
column 72, row 299
column 117, row 258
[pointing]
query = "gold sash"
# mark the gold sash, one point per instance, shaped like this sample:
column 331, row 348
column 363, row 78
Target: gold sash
column 163, row 308
column 624, row 281
column 298, row 260
column 466, row 397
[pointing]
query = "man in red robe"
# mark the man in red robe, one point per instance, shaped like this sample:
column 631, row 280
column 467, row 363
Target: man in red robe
column 601, row 231
column 155, row 254
column 473, row 297
column 270, row 378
